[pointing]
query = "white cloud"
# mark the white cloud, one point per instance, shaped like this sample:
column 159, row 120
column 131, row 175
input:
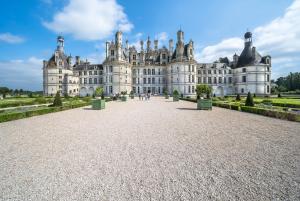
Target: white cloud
column 163, row 36
column 90, row 19
column 10, row 38
column 30, row 70
column 280, row 38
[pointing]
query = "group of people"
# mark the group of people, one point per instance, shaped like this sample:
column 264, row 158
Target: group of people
column 144, row 96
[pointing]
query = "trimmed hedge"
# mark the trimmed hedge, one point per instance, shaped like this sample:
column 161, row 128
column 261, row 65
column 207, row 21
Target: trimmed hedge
column 19, row 115
column 235, row 107
column 272, row 113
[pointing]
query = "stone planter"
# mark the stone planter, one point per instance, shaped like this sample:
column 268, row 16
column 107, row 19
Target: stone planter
column 175, row 98
column 123, row 98
column 98, row 104
column 204, row 104
column 166, row 96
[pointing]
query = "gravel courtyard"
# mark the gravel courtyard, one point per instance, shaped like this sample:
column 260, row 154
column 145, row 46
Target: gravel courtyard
column 149, row 150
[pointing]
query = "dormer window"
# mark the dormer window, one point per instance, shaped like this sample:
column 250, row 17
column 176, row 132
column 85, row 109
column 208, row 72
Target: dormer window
column 112, row 53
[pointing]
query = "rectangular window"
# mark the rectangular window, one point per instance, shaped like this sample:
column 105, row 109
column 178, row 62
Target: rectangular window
column 149, row 71
column 229, row 71
column 209, row 71
column 220, row 80
column 144, row 81
column 149, row 80
column 163, row 56
column 90, row 73
column 224, row 80
column 230, row 80
column 110, row 69
column 80, row 80
column 90, row 81
column 199, row 71
column 215, row 80
column 80, row 73
column 244, row 70
column 153, row 71
column 209, row 80
column 189, row 89
column 193, row 68
column 95, row 72
column 268, row 78
column 60, row 71
column 189, row 68
column 134, row 57
column 112, row 53
column 85, row 80
column 153, row 80
column 95, row 80
column 193, row 89
column 199, row 80
column 215, row 71
column 244, row 79
column 193, row 78
column 189, row 78
column 85, row 73
column 220, row 71
column 145, row 72
column 100, row 80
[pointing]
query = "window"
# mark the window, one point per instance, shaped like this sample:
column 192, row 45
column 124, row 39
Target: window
column 153, row 71
column 244, row 79
column 199, row 80
column 268, row 78
column 80, row 80
column 110, row 69
column 163, row 56
column 95, row 72
column 220, row 80
column 149, row 80
column 199, row 71
column 159, row 71
column 204, row 80
column 134, row 80
column 111, row 89
column 209, row 80
column 209, row 71
column 149, row 71
column 215, row 80
column 193, row 68
column 90, row 73
column 134, row 57
column 112, row 53
column 189, row 68
column 60, row 71
column 230, row 80
column 242, row 90
column 220, row 71
column 144, row 81
column 268, row 69
column 193, row 78
column 215, row 71
column 268, row 89
column 90, row 81
column 229, row 71
column 110, row 79
column 224, row 80
column 80, row 73
column 95, row 80
column 189, row 78
column 244, row 70
column 145, row 72
column 189, row 89
column 85, row 73
column 153, row 80
column 85, row 80
column 134, row 63
column 100, row 80
column 193, row 89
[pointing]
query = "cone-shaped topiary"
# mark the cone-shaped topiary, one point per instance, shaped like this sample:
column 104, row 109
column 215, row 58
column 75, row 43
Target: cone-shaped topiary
column 238, row 97
column 175, row 93
column 57, row 100
column 249, row 100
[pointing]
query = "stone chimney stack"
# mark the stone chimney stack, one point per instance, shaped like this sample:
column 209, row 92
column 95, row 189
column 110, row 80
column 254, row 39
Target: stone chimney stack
column 155, row 45
column 171, row 46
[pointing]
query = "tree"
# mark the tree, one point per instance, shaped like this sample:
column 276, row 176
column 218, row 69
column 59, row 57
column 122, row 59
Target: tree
column 175, row 93
column 289, row 83
column 238, row 97
column 249, row 100
column 57, row 100
column 203, row 89
column 4, row 91
column 99, row 92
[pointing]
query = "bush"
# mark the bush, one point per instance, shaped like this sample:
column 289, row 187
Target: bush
column 249, row 100
column 87, row 99
column 235, row 107
column 238, row 97
column 57, row 100
column 175, row 93
column 271, row 113
column 11, row 116
column 40, row 100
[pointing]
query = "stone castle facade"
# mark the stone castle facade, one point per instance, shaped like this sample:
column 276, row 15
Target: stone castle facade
column 157, row 69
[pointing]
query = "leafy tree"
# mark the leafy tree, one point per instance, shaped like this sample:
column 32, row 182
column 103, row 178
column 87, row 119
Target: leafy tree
column 238, row 97
column 175, row 93
column 289, row 83
column 4, row 91
column 99, row 92
column 203, row 89
column 249, row 100
column 57, row 100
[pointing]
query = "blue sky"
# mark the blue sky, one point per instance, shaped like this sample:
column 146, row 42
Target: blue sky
column 28, row 30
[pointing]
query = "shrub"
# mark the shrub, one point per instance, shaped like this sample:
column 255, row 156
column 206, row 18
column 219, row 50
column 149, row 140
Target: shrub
column 238, row 97
column 279, row 95
column 271, row 113
column 249, row 100
column 11, row 116
column 57, row 100
column 99, row 92
column 235, row 107
column 40, row 100
column 203, row 89
column 175, row 93
column 86, row 99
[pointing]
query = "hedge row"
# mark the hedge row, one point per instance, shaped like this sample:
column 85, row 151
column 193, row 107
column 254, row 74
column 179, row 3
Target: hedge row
column 23, row 103
column 19, row 115
column 226, row 105
column 272, row 113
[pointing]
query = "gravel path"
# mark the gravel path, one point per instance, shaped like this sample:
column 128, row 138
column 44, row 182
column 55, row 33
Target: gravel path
column 149, row 150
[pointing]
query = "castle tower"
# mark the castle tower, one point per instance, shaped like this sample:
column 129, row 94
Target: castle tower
column 171, row 46
column 148, row 44
column 180, row 36
column 155, row 45
column 248, row 39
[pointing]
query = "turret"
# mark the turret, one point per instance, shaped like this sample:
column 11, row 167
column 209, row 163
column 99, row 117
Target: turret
column 248, row 39
column 118, row 38
column 107, row 49
column 180, row 36
column 235, row 58
column 60, row 43
column 142, row 45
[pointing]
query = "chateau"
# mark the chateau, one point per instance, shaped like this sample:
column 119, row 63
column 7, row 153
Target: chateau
column 157, row 69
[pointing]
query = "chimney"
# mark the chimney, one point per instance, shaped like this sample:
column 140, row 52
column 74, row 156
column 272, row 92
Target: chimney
column 107, row 49
column 142, row 45
column 155, row 45
column 171, row 46
column 77, row 58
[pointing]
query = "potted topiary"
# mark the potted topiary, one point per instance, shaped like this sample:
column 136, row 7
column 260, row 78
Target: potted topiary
column 166, row 94
column 175, row 95
column 203, row 103
column 99, row 102
column 124, row 97
column 131, row 95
